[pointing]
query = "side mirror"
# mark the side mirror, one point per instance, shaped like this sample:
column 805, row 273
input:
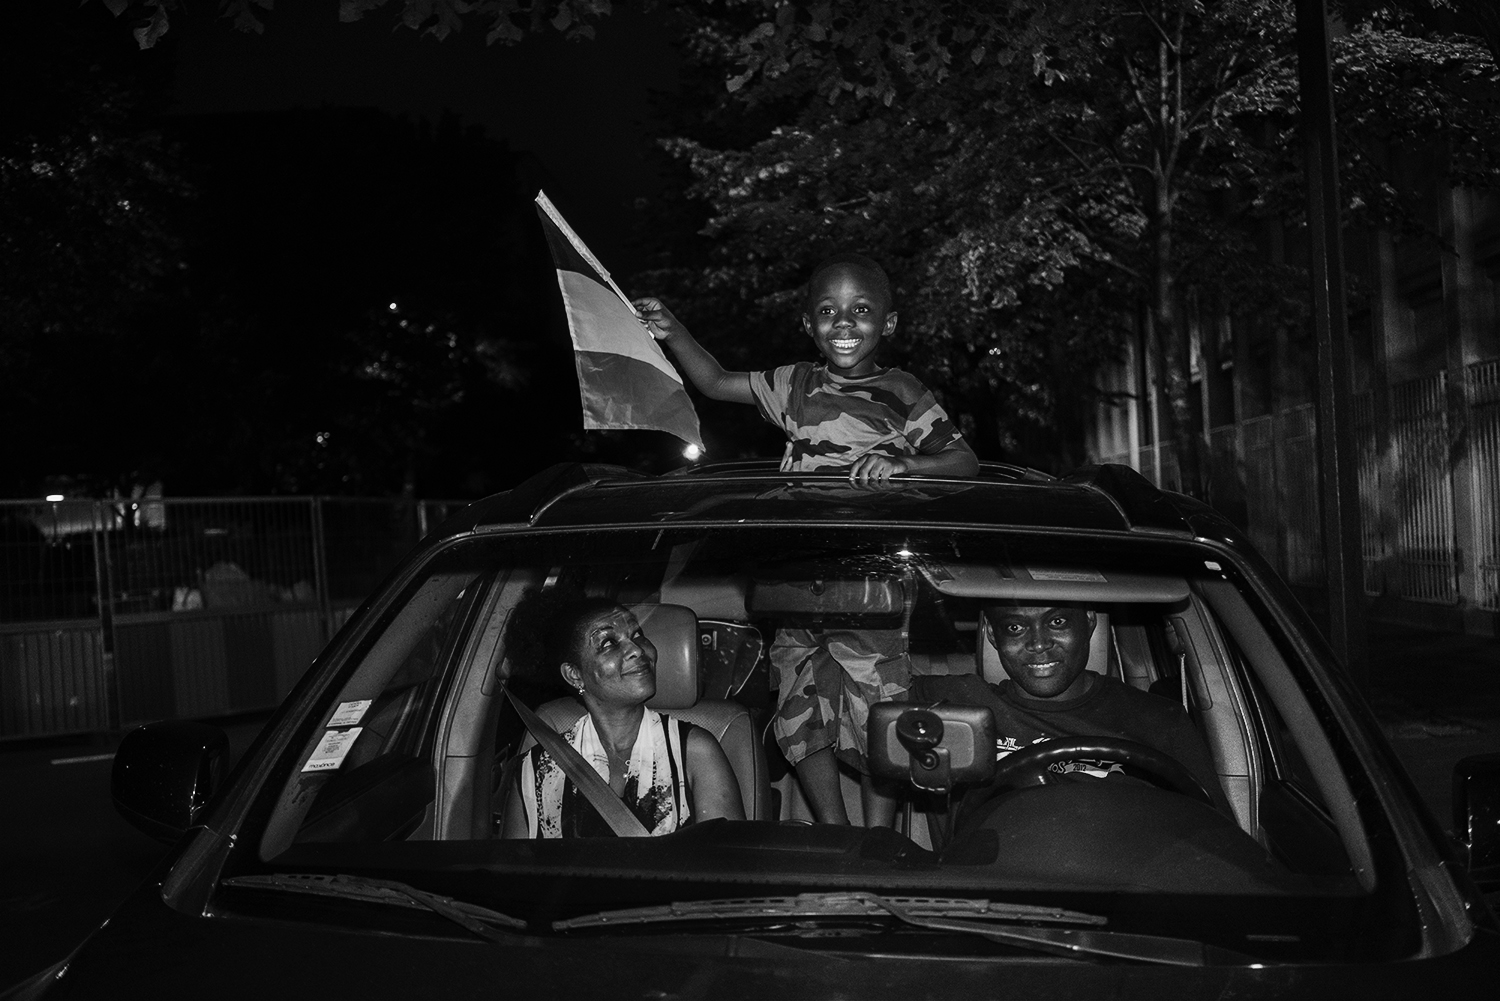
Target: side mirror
column 166, row 772
column 1476, row 814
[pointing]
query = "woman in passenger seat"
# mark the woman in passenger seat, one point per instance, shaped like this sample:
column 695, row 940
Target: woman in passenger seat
column 668, row 772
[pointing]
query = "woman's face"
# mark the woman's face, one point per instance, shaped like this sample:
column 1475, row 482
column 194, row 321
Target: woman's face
column 615, row 662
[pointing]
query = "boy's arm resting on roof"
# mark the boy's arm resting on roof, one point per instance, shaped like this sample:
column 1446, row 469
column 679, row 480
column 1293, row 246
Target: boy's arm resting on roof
column 701, row 368
column 955, row 459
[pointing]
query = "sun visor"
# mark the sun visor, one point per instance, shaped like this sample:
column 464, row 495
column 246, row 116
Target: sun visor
column 1083, row 585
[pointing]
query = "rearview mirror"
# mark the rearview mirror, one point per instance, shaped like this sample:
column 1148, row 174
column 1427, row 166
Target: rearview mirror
column 165, row 773
column 816, row 594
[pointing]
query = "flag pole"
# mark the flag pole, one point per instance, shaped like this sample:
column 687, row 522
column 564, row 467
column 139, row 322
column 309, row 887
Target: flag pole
column 546, row 206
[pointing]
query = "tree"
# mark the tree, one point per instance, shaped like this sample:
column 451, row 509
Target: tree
column 507, row 21
column 1015, row 192
column 86, row 190
column 1042, row 176
column 1033, row 170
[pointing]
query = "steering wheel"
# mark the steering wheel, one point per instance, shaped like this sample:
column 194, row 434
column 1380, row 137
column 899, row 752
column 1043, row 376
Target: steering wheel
column 1031, row 766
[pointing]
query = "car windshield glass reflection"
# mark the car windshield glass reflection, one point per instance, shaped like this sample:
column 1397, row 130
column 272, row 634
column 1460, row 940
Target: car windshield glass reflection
column 1100, row 719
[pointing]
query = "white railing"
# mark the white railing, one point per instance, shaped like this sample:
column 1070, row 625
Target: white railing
column 1263, row 474
column 1483, row 398
column 120, row 611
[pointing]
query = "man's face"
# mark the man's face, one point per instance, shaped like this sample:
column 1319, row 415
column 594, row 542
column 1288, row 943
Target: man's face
column 1044, row 649
column 846, row 317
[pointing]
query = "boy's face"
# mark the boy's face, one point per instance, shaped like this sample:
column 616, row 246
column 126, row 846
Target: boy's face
column 846, row 318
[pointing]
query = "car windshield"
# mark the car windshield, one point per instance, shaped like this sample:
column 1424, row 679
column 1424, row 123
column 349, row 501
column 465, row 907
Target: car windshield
column 415, row 762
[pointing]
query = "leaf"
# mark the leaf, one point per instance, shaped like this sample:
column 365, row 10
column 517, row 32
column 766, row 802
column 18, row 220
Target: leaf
column 147, row 34
column 117, row 7
column 354, row 10
column 416, row 13
column 246, row 19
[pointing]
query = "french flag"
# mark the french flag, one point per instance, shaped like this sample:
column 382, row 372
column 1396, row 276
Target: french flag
column 624, row 377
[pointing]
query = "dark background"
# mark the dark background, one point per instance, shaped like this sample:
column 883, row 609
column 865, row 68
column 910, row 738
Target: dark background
column 236, row 331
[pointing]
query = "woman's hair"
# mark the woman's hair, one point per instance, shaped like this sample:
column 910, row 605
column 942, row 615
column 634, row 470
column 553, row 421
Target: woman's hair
column 565, row 633
column 544, row 630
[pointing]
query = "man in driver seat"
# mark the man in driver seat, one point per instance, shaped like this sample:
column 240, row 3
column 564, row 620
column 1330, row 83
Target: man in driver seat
column 1050, row 694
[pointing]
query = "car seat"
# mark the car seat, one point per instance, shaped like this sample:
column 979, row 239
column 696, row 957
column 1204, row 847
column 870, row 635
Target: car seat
column 673, row 630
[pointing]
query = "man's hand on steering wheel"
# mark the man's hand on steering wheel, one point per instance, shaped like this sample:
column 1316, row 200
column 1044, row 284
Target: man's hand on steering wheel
column 1032, row 766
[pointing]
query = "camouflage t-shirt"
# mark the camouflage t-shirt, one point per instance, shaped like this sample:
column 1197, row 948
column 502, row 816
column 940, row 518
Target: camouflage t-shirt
column 832, row 421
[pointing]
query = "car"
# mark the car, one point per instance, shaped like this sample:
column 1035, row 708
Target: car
column 355, row 850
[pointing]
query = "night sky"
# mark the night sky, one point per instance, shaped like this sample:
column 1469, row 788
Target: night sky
column 582, row 107
column 323, row 170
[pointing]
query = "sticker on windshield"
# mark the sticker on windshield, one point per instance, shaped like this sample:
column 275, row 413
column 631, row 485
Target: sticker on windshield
column 332, row 750
column 1071, row 576
column 349, row 713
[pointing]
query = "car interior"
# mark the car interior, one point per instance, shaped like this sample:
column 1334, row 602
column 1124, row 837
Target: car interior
column 436, row 747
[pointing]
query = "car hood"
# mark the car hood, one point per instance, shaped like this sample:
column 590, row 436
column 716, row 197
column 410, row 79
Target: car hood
column 147, row 949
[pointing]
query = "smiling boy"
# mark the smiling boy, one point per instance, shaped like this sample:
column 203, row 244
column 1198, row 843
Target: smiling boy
column 849, row 411
column 878, row 422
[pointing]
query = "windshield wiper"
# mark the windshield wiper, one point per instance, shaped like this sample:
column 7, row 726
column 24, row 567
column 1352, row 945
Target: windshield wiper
column 956, row 914
column 473, row 917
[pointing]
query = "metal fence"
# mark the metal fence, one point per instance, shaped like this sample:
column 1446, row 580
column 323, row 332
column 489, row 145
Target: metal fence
column 1264, row 475
column 116, row 612
column 1425, row 547
column 1300, row 514
column 1482, row 390
column 1367, row 454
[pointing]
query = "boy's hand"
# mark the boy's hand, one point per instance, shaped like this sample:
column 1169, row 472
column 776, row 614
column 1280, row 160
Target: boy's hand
column 874, row 468
column 658, row 319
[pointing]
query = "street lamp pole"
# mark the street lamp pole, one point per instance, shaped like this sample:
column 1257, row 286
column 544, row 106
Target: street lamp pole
column 1339, row 481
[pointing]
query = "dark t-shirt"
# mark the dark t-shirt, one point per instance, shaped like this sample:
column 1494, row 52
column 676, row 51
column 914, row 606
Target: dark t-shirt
column 1109, row 708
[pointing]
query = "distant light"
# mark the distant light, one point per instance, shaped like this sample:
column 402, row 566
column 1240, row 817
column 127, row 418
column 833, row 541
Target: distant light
column 54, row 498
column 393, row 307
column 692, row 453
column 905, row 553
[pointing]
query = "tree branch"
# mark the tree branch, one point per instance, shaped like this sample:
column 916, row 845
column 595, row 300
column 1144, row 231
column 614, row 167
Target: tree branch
column 1162, row 32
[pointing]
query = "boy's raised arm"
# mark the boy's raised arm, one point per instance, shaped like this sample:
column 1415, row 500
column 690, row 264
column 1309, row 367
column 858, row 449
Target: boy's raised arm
column 701, row 367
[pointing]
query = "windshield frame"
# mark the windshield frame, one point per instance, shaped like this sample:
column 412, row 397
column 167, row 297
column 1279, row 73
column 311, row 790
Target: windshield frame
column 294, row 723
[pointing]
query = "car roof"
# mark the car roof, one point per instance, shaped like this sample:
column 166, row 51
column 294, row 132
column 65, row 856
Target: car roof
column 1107, row 498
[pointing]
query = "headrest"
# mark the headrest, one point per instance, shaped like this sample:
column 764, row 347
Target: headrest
column 993, row 671
column 719, row 597
column 673, row 630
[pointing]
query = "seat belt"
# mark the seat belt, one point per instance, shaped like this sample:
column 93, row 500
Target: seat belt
column 587, row 781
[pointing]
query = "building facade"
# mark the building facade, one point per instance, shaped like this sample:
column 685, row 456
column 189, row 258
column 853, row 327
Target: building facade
column 1425, row 355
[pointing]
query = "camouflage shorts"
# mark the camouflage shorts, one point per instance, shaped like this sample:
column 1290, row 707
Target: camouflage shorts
column 828, row 679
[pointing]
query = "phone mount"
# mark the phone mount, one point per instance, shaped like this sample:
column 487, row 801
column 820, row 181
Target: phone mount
column 920, row 731
column 933, row 747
